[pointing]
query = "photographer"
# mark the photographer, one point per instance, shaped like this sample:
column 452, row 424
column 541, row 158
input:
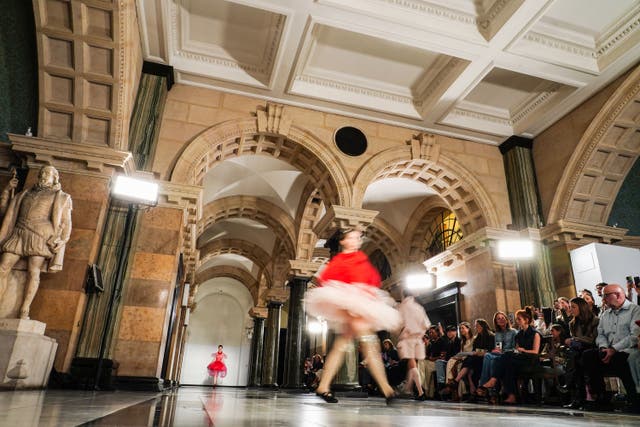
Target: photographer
column 617, row 339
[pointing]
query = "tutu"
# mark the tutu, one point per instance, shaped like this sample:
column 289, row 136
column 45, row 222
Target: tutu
column 337, row 302
column 218, row 367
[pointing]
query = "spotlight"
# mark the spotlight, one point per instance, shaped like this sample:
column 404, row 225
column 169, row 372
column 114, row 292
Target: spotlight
column 135, row 190
column 515, row 249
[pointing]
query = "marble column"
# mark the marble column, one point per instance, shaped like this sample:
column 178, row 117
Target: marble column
column 294, row 359
column 534, row 276
column 347, row 376
column 257, row 347
column 271, row 345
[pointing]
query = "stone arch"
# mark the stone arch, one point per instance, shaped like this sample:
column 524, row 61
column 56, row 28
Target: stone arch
column 240, row 247
column 253, row 208
column 384, row 237
column 457, row 186
column 602, row 159
column 308, row 214
column 294, row 145
column 418, row 227
column 236, row 273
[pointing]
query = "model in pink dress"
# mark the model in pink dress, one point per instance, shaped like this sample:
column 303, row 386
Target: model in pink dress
column 217, row 368
column 350, row 299
column 410, row 345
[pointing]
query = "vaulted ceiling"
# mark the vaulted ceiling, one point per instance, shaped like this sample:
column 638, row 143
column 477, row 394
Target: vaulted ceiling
column 478, row 69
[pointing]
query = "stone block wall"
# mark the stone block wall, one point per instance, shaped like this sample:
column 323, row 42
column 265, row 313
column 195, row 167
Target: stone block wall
column 145, row 314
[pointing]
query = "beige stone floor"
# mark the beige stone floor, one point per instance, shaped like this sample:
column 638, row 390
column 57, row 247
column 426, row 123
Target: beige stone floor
column 201, row 406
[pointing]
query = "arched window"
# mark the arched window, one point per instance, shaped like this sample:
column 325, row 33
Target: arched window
column 444, row 232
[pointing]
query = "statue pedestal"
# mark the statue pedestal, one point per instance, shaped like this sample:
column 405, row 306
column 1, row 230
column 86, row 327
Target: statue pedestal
column 26, row 355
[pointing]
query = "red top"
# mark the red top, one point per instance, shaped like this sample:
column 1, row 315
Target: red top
column 353, row 267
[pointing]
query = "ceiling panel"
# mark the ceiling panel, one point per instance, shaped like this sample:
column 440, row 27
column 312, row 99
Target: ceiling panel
column 478, row 70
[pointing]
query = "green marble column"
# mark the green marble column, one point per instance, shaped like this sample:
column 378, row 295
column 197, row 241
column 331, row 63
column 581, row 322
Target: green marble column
column 347, row 376
column 271, row 345
column 534, row 276
column 102, row 313
column 257, row 347
column 294, row 359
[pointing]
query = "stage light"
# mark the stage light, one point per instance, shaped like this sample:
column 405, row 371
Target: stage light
column 420, row 281
column 135, row 190
column 520, row 249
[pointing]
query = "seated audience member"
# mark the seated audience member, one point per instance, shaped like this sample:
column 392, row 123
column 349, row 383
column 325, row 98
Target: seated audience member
column 427, row 367
column 309, row 376
column 599, row 287
column 587, row 295
column 539, row 323
column 483, row 343
column 617, row 339
column 584, row 330
column 563, row 313
column 634, row 364
column 504, row 341
column 451, row 348
column 455, row 363
column 364, row 377
column 527, row 348
column 391, row 361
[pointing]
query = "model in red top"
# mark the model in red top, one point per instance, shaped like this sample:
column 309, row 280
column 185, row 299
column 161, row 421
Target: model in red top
column 217, row 368
column 350, row 300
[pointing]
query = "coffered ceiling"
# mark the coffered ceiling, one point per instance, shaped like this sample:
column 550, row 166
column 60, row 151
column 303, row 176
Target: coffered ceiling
column 477, row 69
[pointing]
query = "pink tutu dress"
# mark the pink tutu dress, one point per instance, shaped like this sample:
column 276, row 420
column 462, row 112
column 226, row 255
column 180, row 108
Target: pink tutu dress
column 218, row 366
column 350, row 287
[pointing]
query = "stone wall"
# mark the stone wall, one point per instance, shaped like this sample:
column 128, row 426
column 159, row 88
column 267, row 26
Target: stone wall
column 139, row 346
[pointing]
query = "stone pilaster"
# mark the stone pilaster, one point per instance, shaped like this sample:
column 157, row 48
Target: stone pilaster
column 534, row 277
column 295, row 333
column 271, row 345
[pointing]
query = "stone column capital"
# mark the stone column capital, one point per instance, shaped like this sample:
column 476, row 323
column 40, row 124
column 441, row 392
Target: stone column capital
column 304, row 268
column 258, row 312
column 338, row 217
column 279, row 295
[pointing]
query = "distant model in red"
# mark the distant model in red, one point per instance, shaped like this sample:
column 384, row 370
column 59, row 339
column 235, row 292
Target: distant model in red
column 217, row 368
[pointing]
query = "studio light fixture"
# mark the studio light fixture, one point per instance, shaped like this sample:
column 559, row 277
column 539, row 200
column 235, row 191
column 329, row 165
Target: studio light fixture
column 520, row 249
column 420, row 281
column 135, row 190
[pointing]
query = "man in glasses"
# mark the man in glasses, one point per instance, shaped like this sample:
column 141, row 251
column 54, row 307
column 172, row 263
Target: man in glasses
column 617, row 340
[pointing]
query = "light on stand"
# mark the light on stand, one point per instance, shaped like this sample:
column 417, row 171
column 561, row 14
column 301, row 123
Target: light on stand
column 135, row 190
column 515, row 249
column 420, row 281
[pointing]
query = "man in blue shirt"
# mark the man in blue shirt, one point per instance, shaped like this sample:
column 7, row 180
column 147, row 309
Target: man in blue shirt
column 617, row 339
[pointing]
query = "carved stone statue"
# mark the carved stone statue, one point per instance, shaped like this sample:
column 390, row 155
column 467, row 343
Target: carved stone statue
column 36, row 225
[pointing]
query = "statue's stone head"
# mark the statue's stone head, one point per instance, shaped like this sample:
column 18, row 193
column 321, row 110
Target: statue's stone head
column 49, row 177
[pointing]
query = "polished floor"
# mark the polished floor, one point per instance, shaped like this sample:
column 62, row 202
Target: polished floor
column 200, row 406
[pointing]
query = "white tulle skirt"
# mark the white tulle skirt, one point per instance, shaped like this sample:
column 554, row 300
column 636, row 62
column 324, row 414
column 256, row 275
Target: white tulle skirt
column 340, row 303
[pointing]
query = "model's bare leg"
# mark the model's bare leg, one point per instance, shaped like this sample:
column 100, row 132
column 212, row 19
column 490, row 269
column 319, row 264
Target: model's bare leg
column 371, row 349
column 413, row 377
column 34, row 266
column 7, row 261
column 332, row 363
